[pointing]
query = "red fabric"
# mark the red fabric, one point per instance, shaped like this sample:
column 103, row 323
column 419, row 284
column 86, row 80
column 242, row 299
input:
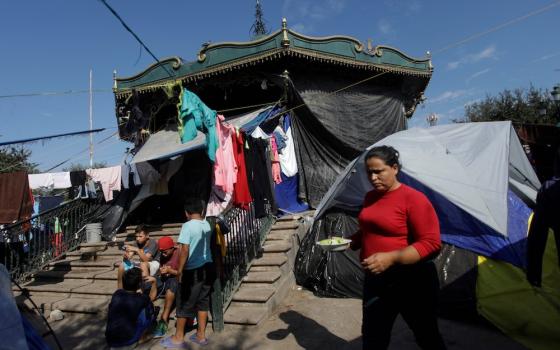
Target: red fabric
column 16, row 201
column 393, row 220
column 165, row 243
column 241, row 195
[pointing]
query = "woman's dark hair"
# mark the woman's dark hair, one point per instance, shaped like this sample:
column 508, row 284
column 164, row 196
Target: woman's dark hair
column 194, row 206
column 386, row 153
column 132, row 279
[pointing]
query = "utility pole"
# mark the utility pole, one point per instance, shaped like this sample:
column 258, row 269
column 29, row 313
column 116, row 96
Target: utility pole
column 90, row 118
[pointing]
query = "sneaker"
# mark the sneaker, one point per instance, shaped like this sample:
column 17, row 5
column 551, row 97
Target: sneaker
column 161, row 329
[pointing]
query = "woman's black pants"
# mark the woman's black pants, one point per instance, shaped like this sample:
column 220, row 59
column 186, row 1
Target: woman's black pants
column 407, row 290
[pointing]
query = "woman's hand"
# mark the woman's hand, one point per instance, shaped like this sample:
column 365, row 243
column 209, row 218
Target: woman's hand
column 379, row 262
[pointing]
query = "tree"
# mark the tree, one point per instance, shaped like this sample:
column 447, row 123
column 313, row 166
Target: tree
column 14, row 159
column 533, row 106
column 78, row 167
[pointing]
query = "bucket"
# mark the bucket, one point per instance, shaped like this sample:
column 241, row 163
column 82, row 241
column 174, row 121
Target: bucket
column 93, row 232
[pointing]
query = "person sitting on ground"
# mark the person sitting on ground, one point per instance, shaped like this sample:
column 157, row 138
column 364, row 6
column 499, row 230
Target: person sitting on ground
column 147, row 251
column 166, row 280
column 131, row 313
column 196, row 276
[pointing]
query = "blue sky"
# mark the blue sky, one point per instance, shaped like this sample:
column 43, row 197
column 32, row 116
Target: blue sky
column 51, row 45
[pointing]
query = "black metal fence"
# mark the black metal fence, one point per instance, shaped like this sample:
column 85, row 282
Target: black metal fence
column 243, row 242
column 28, row 245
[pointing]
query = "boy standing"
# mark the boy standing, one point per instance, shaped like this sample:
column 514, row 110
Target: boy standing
column 196, row 275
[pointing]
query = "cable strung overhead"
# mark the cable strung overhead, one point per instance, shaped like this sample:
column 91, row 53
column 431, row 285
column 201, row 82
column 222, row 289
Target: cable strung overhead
column 35, row 139
column 134, row 35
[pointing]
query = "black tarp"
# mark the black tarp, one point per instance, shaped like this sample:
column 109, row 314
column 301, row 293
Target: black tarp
column 340, row 274
column 330, row 130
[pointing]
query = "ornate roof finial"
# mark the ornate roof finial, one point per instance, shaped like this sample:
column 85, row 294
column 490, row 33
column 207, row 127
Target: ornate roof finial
column 114, row 80
column 285, row 38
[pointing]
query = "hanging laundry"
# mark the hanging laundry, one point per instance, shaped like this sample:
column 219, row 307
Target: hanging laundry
column 16, row 200
column 258, row 175
column 287, row 195
column 147, row 173
column 225, row 167
column 241, row 194
column 221, row 240
column 129, row 171
column 167, row 170
column 280, row 137
column 249, row 127
column 218, row 202
column 52, row 180
column 288, row 160
column 78, row 181
column 110, row 179
column 275, row 162
column 258, row 133
column 195, row 115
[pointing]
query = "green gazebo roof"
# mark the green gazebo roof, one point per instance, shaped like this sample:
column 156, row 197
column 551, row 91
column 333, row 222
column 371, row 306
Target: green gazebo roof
column 215, row 59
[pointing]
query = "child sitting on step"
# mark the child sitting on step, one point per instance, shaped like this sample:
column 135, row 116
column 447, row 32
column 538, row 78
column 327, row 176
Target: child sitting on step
column 131, row 313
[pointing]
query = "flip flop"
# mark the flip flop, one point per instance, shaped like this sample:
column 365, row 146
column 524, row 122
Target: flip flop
column 169, row 344
column 194, row 339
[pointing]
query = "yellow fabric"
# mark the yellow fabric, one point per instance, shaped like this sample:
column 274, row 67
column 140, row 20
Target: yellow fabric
column 529, row 315
column 221, row 240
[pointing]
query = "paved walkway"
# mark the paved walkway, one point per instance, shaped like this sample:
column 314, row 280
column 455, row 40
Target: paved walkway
column 304, row 321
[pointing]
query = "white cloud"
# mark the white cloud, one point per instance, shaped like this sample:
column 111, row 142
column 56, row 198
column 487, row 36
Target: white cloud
column 448, row 95
column 487, row 53
column 384, row 26
column 546, row 57
column 477, row 74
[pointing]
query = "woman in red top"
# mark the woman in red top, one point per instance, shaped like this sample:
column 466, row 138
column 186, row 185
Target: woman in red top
column 399, row 232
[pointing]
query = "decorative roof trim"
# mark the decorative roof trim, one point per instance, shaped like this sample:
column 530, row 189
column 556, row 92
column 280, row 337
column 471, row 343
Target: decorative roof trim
column 277, row 53
column 177, row 62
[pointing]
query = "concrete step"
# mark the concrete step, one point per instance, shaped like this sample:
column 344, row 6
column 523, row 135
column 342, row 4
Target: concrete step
column 68, row 304
column 102, row 274
column 262, row 276
column 245, row 315
column 72, row 262
column 276, row 247
column 165, row 227
column 279, row 236
column 286, row 232
column 285, row 225
column 159, row 233
column 94, row 245
column 73, row 288
column 249, row 294
column 271, row 259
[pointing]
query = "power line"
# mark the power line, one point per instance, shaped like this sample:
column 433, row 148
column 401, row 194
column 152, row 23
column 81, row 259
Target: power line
column 33, row 139
column 134, row 35
column 498, row 27
column 53, row 93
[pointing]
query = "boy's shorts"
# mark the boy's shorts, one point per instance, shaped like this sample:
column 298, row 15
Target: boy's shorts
column 194, row 290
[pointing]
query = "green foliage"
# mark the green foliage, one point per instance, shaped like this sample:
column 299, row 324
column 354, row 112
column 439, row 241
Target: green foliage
column 78, row 167
column 519, row 105
column 14, row 159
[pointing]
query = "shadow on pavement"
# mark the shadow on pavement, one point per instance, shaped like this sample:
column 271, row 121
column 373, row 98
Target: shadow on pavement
column 309, row 334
